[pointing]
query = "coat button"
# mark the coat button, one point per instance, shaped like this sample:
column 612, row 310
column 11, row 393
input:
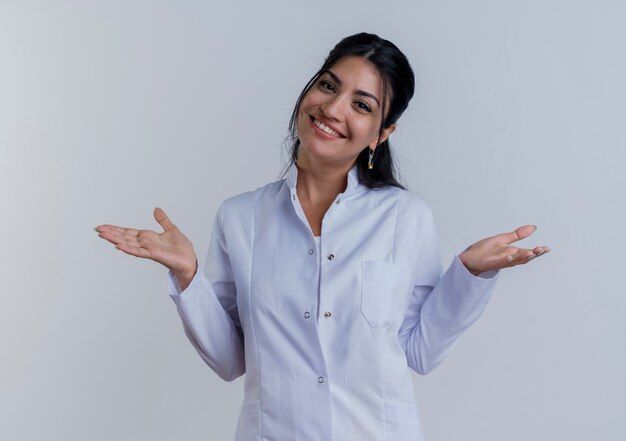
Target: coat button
column 327, row 314
column 293, row 196
column 331, row 256
column 307, row 314
column 320, row 380
column 311, row 251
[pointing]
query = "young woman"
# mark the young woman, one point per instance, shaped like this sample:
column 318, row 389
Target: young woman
column 326, row 286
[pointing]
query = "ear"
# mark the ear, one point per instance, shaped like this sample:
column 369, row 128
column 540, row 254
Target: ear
column 383, row 136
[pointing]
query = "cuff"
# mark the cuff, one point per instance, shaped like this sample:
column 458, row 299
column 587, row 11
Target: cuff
column 174, row 287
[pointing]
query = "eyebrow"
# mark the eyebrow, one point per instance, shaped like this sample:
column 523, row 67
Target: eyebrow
column 358, row 92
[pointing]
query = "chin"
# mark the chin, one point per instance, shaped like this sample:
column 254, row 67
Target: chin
column 323, row 154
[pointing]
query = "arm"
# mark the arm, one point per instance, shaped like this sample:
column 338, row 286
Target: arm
column 450, row 307
column 208, row 308
column 440, row 308
column 207, row 302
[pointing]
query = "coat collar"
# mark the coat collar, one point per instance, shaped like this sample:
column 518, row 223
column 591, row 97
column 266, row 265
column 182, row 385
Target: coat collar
column 292, row 177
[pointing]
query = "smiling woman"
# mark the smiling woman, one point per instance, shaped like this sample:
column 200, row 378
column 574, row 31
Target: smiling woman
column 326, row 287
column 372, row 76
column 339, row 109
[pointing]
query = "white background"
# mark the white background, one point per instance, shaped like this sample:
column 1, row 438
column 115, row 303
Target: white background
column 108, row 109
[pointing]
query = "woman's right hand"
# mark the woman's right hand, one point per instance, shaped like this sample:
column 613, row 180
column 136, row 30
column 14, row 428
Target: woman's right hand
column 170, row 248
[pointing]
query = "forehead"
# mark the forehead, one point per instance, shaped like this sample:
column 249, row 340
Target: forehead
column 357, row 72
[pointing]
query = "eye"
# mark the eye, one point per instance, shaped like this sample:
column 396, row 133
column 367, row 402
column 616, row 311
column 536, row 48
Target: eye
column 325, row 85
column 361, row 105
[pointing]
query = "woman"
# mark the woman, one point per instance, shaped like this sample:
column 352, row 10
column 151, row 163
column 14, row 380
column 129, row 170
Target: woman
column 325, row 286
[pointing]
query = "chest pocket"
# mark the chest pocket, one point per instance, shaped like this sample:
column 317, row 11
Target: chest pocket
column 385, row 293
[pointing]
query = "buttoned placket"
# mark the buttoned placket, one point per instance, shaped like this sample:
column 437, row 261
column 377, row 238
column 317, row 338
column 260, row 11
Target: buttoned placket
column 326, row 255
column 329, row 253
column 329, row 257
column 310, row 311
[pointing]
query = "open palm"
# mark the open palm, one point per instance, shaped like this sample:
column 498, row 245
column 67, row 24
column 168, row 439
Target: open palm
column 170, row 248
column 497, row 252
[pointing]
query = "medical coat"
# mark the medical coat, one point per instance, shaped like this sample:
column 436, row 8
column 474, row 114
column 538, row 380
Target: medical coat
column 326, row 332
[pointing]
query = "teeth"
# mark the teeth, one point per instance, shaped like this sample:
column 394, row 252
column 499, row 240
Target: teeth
column 325, row 128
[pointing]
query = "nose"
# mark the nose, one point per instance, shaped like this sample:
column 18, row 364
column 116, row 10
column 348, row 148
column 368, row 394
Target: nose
column 333, row 109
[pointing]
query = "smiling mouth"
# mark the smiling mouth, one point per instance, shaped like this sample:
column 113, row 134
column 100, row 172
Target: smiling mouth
column 324, row 128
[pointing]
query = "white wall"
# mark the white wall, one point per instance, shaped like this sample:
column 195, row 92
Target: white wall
column 110, row 108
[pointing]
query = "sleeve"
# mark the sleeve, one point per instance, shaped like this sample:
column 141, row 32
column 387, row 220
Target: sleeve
column 208, row 308
column 440, row 308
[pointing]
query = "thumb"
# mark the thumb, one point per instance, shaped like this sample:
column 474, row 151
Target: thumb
column 520, row 233
column 162, row 219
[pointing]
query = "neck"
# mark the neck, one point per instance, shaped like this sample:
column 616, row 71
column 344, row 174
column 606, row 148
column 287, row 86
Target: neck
column 318, row 183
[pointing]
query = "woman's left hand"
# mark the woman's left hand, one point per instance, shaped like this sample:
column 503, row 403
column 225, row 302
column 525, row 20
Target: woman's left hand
column 496, row 252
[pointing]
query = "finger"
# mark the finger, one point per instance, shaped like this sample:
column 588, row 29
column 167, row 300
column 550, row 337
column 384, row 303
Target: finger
column 111, row 237
column 522, row 257
column 124, row 235
column 519, row 233
column 134, row 251
column 507, row 255
column 117, row 238
column 116, row 229
column 541, row 250
column 163, row 220
column 537, row 251
column 500, row 260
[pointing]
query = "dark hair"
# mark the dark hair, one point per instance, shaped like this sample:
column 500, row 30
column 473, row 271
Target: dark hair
column 396, row 74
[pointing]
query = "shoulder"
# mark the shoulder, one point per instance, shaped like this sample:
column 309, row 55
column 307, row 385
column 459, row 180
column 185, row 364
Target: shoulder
column 413, row 201
column 243, row 203
column 408, row 202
